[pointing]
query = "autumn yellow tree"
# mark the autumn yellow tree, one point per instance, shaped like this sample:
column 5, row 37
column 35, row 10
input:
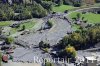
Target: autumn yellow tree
column 70, row 51
column 94, row 34
column 77, row 38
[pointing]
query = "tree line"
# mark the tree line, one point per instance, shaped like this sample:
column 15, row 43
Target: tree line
column 22, row 11
column 27, row 9
column 83, row 39
column 78, row 40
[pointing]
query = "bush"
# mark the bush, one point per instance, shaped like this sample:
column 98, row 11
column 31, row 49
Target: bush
column 48, row 64
column 39, row 11
column 46, row 50
column 98, row 12
column 77, row 4
column 47, row 5
column 24, row 15
column 0, row 30
column 44, row 45
column 9, row 40
column 50, row 23
column 6, row 12
column 70, row 51
column 23, row 27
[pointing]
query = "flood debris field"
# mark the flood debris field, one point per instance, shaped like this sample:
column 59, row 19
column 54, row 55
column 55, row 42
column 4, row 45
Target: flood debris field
column 60, row 28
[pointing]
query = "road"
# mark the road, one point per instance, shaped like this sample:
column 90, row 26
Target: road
column 79, row 10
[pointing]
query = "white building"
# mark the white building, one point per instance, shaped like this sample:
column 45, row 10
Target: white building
column 90, row 61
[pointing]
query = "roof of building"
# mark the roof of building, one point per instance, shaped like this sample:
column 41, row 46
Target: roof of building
column 91, row 58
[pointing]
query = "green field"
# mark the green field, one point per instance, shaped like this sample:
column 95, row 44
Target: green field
column 28, row 25
column 91, row 17
column 75, row 27
column 62, row 8
column 5, row 23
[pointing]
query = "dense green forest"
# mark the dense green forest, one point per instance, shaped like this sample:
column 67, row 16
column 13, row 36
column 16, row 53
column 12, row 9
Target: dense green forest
column 21, row 11
column 27, row 9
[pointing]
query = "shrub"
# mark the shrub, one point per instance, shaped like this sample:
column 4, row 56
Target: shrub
column 9, row 40
column 46, row 50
